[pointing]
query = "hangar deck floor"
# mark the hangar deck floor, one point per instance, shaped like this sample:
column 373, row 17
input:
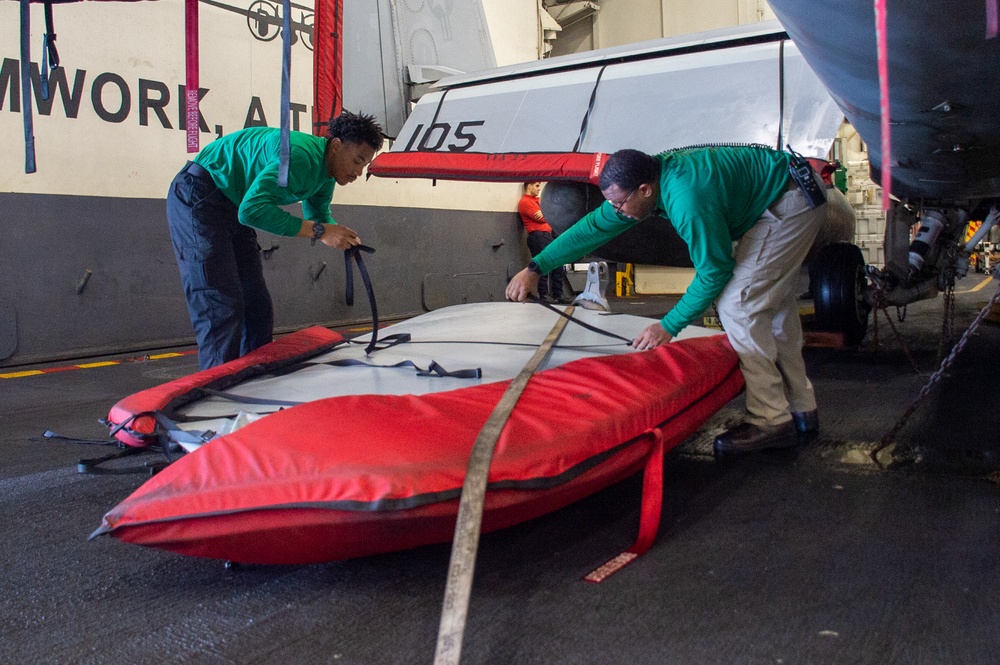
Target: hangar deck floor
column 810, row 556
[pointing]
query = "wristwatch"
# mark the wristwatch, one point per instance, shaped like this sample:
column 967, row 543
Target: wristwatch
column 318, row 230
column 533, row 267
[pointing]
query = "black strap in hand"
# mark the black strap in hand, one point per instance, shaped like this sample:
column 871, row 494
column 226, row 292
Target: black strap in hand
column 578, row 322
column 355, row 254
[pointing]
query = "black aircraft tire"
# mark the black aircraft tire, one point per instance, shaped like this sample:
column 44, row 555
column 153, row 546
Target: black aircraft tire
column 838, row 279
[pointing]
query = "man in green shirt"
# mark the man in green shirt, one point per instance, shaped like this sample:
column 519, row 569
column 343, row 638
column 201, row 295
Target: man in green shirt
column 230, row 189
column 715, row 197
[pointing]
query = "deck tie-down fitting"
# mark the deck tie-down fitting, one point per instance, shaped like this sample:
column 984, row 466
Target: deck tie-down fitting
column 592, row 296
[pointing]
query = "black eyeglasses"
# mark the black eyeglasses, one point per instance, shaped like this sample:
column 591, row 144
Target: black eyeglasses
column 618, row 207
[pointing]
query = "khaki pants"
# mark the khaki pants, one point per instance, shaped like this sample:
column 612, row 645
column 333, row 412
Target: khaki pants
column 758, row 309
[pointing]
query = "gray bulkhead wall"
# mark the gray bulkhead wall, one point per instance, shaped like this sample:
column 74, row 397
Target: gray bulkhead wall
column 76, row 283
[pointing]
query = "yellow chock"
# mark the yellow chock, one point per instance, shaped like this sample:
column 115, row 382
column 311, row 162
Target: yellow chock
column 624, row 281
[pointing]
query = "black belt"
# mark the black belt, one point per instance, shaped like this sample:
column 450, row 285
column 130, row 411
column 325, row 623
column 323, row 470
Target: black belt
column 197, row 170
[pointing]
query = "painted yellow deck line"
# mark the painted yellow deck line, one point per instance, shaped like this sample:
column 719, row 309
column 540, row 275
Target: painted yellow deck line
column 981, row 284
column 18, row 375
column 100, row 363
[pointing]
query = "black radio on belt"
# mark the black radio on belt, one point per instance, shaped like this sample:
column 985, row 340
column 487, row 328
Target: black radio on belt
column 805, row 177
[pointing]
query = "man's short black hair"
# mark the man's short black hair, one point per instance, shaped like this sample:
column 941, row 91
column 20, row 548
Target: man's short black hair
column 355, row 128
column 628, row 169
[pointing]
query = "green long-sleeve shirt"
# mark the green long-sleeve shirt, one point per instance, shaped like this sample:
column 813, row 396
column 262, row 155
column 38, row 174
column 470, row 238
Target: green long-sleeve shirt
column 712, row 196
column 244, row 165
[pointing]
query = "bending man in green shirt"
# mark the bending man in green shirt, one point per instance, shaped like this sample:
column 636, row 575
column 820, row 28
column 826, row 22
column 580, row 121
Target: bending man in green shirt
column 715, row 197
column 230, row 189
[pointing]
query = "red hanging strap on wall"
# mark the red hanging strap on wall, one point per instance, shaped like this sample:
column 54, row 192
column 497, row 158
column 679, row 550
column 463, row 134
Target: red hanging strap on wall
column 883, row 85
column 192, row 118
column 328, row 97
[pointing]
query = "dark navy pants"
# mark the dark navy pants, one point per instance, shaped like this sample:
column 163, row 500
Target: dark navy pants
column 219, row 260
column 553, row 282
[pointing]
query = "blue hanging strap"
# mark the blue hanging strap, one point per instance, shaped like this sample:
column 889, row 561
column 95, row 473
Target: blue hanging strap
column 29, row 129
column 50, row 56
column 286, row 69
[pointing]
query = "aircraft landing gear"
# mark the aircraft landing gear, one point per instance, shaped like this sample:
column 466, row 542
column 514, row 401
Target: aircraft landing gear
column 838, row 286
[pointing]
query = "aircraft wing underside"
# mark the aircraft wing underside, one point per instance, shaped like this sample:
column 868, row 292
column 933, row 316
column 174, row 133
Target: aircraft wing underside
column 556, row 119
column 943, row 73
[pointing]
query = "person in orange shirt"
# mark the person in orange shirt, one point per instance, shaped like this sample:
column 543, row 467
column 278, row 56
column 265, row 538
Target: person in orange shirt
column 539, row 236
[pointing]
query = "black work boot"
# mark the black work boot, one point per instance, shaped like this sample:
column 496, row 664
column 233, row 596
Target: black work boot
column 749, row 438
column 806, row 422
